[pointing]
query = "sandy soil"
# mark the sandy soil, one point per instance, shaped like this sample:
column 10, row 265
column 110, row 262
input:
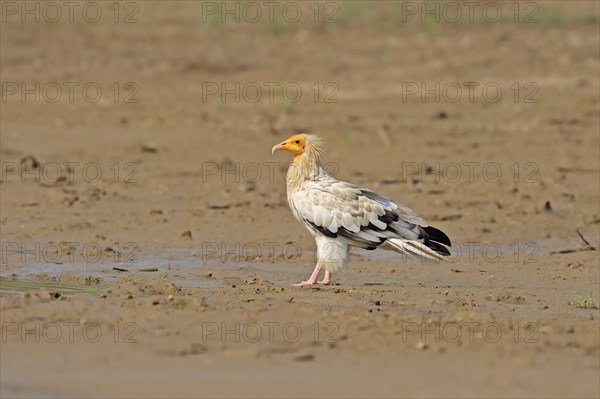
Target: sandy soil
column 147, row 246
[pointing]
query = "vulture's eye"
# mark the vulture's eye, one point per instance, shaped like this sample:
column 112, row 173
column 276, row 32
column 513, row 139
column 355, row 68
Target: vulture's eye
column 297, row 141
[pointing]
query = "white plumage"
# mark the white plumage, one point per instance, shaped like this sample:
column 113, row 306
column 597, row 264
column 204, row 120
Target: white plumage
column 339, row 214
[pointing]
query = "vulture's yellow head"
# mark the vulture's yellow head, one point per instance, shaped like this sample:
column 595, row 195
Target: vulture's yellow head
column 295, row 144
column 301, row 143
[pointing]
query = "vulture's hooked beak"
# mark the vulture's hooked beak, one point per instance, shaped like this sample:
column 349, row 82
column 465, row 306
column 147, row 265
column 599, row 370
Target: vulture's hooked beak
column 278, row 147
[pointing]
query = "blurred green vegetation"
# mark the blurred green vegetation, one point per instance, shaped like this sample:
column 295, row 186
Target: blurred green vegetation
column 584, row 301
column 392, row 16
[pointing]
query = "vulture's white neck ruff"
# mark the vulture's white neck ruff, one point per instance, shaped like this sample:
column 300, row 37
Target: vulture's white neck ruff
column 306, row 166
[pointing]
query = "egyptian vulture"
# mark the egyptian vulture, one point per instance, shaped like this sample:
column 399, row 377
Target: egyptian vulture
column 340, row 214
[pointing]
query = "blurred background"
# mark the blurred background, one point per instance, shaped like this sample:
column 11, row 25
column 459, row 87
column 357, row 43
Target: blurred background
column 397, row 83
column 150, row 123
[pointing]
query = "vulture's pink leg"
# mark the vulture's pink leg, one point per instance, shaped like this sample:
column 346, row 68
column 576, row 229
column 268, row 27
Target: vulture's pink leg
column 326, row 279
column 312, row 279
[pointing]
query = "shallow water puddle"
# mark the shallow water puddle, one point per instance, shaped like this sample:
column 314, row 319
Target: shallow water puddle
column 189, row 269
column 13, row 286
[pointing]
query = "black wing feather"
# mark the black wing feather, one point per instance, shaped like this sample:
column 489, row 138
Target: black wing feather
column 437, row 235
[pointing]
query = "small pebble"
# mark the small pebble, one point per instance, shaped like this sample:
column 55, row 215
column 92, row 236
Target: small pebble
column 305, row 358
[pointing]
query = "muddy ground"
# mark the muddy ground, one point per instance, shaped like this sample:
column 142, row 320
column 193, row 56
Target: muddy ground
column 147, row 246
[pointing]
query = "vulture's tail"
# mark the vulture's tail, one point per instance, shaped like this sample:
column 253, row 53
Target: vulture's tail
column 432, row 248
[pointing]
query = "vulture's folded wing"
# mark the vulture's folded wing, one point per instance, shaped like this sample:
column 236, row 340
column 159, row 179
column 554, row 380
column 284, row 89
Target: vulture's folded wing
column 367, row 219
